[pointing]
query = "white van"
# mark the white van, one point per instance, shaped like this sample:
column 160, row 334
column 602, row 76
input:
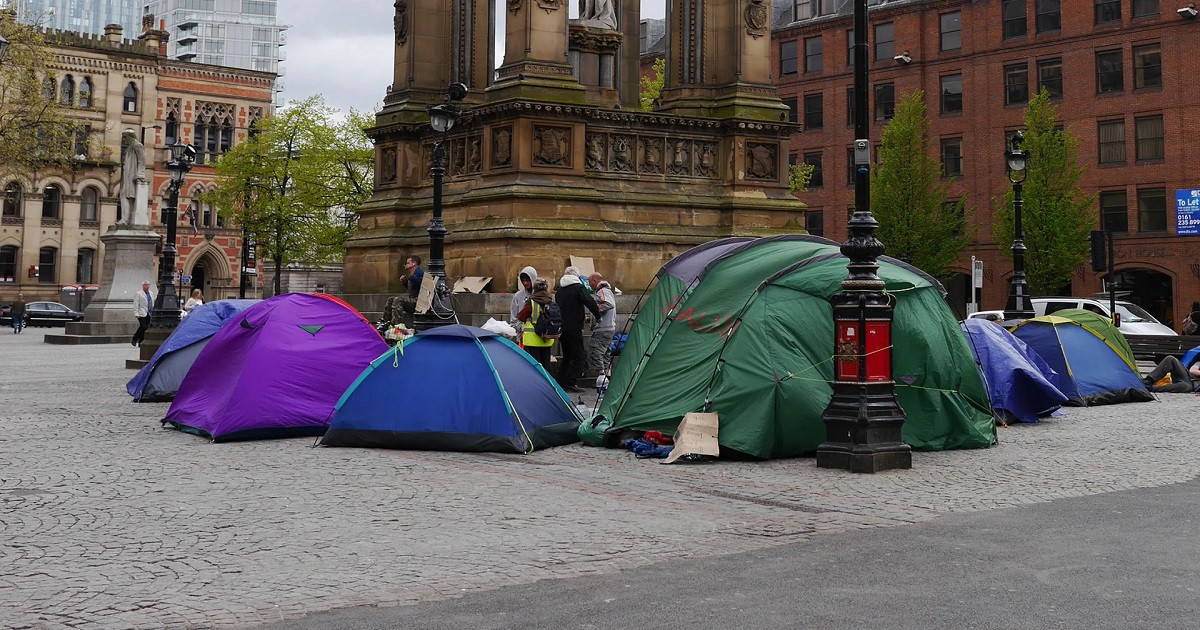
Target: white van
column 1134, row 320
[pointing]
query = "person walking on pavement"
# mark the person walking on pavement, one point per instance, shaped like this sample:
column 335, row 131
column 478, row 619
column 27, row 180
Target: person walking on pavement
column 604, row 327
column 520, row 299
column 572, row 298
column 537, row 346
column 18, row 314
column 143, row 305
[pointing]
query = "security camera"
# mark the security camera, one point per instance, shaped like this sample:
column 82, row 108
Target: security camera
column 1188, row 12
column 903, row 58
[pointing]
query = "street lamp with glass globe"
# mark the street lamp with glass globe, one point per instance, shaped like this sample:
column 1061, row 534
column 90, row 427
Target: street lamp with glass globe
column 1017, row 162
column 166, row 305
column 442, row 118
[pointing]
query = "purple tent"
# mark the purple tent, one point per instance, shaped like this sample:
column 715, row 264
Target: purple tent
column 275, row 370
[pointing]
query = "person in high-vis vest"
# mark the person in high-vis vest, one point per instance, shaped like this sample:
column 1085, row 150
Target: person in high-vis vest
column 534, row 344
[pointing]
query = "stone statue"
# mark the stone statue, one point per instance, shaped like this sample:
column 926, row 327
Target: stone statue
column 133, row 178
column 598, row 13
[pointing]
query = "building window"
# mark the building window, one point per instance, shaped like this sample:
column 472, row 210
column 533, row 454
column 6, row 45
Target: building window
column 814, row 222
column 1048, row 18
column 952, row 157
column 1110, row 76
column 817, row 180
column 12, row 200
column 791, row 105
column 951, row 24
column 171, row 134
column 814, row 111
column 952, row 94
column 1148, row 132
column 52, row 202
column 1145, row 8
column 85, row 92
column 207, row 218
column 47, row 266
column 66, row 92
column 1107, row 11
column 1152, row 210
column 850, row 48
column 90, row 204
column 850, row 107
column 83, row 266
column 83, row 136
column 1147, row 66
column 8, row 263
column 787, row 58
column 804, row 9
column 1112, row 141
column 813, row 54
column 1016, row 84
column 213, row 131
column 1114, row 213
column 1013, row 12
column 850, row 170
column 130, row 99
column 1050, row 77
column 885, row 49
column 885, row 101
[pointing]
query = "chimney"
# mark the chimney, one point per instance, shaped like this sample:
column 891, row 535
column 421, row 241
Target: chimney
column 112, row 33
column 154, row 39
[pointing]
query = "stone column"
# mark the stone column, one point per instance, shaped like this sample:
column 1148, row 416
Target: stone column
column 628, row 78
column 535, row 54
column 471, row 46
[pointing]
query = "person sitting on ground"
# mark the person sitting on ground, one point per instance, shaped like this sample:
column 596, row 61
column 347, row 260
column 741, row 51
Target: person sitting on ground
column 533, row 343
column 398, row 307
column 197, row 299
column 1184, row 380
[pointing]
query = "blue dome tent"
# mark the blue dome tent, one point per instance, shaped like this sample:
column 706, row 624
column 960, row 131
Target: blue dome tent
column 1017, row 378
column 454, row 388
column 1089, row 370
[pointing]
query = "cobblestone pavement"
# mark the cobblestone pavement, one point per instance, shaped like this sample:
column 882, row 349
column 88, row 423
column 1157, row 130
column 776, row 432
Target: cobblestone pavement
column 109, row 521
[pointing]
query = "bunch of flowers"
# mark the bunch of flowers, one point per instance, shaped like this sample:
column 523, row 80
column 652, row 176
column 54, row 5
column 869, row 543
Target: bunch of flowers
column 398, row 333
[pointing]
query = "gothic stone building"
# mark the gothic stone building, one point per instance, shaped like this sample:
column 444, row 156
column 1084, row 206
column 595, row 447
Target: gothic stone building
column 53, row 217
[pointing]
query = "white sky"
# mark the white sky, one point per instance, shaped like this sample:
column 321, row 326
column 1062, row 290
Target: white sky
column 343, row 49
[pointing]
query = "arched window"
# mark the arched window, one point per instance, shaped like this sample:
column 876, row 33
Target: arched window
column 130, row 99
column 8, row 263
column 194, row 214
column 226, row 137
column 172, row 131
column 66, row 92
column 49, row 88
column 12, row 199
column 52, row 202
column 47, row 263
column 84, row 266
column 208, row 215
column 89, row 209
column 213, row 131
column 220, row 217
column 85, row 92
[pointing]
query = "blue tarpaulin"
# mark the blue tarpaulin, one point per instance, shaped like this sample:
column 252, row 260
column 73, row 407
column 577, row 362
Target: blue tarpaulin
column 1018, row 380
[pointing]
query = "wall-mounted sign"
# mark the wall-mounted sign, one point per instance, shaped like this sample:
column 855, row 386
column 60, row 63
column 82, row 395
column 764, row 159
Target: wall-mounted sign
column 1187, row 212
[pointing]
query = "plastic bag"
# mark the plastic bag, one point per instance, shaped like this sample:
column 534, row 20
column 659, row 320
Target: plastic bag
column 500, row 328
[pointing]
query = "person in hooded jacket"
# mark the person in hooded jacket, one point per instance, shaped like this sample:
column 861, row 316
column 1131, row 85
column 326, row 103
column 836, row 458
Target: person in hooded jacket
column 533, row 343
column 520, row 299
column 603, row 328
column 572, row 298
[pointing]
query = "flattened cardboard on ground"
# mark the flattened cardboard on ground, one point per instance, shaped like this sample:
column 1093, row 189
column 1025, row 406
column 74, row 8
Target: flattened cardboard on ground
column 471, row 284
column 584, row 264
column 696, row 435
column 425, row 295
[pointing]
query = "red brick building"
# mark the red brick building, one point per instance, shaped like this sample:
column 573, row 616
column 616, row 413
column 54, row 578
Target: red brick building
column 1122, row 73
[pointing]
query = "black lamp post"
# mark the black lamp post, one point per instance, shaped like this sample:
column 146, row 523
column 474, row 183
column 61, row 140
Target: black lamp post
column 166, row 306
column 863, row 419
column 442, row 118
column 1017, row 161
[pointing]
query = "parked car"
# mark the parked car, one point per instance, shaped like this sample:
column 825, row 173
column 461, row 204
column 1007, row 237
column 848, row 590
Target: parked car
column 47, row 314
column 5, row 313
column 1134, row 320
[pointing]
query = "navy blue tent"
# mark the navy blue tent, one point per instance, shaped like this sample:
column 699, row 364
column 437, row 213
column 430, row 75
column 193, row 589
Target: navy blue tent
column 1016, row 376
column 454, row 388
column 1089, row 370
column 1190, row 357
column 159, row 379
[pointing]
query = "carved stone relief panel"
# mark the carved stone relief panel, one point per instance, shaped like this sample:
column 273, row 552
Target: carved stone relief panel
column 400, row 22
column 387, row 165
column 551, row 145
column 594, row 155
column 473, row 155
column 706, row 159
column 427, row 162
column 681, row 157
column 651, row 152
column 757, row 17
column 502, row 147
column 761, row 161
column 551, row 5
column 622, row 154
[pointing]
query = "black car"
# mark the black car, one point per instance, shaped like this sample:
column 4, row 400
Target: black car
column 46, row 314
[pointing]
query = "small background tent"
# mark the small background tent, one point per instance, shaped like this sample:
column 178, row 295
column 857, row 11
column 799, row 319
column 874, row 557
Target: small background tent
column 275, row 370
column 455, row 388
column 1089, row 369
column 1016, row 377
column 1102, row 326
column 159, row 379
column 746, row 324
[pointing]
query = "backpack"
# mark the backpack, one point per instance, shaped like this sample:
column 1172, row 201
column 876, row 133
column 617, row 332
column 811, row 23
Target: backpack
column 548, row 324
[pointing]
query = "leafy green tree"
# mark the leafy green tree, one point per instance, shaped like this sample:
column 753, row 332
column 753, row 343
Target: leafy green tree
column 1057, row 216
column 652, row 87
column 33, row 128
column 908, row 195
column 799, row 175
column 295, row 185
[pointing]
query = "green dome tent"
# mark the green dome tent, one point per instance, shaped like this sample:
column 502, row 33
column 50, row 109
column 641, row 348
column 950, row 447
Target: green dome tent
column 746, row 325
